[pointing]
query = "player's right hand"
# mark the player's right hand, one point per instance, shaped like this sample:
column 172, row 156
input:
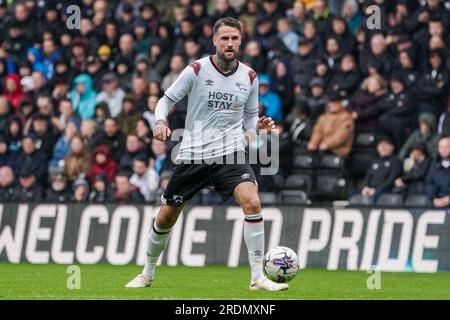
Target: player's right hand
column 161, row 131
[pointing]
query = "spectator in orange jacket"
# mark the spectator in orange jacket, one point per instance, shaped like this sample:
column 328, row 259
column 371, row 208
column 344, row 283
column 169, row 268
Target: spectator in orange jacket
column 334, row 131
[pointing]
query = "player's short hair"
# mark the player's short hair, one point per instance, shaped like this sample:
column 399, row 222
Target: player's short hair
column 228, row 21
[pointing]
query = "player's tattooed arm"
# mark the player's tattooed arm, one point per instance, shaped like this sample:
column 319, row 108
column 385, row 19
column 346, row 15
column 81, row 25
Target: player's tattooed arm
column 161, row 130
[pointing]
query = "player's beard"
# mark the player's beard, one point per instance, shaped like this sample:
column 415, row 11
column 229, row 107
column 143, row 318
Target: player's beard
column 225, row 63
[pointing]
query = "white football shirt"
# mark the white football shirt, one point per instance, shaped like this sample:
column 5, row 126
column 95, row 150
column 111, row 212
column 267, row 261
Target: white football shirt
column 218, row 105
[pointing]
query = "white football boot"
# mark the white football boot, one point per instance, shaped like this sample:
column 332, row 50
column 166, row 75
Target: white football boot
column 141, row 281
column 266, row 284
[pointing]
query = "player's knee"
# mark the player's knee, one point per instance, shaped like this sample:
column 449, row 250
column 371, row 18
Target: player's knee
column 162, row 221
column 252, row 206
column 167, row 218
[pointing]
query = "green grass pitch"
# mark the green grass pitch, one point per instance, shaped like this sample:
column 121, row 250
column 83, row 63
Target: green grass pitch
column 26, row 281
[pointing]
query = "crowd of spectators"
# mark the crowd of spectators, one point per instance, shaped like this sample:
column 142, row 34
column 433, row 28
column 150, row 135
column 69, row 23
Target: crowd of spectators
column 77, row 109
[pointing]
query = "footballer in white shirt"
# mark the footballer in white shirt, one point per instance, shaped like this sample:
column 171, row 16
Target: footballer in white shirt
column 222, row 107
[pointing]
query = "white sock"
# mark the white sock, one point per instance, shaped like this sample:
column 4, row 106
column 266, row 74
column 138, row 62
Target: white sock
column 157, row 242
column 254, row 239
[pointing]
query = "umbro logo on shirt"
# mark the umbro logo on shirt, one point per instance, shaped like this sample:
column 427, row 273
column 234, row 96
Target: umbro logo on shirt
column 209, row 82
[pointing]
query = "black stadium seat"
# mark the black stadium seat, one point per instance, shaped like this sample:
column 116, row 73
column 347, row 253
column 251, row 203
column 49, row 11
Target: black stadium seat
column 293, row 197
column 330, row 185
column 268, row 198
column 363, row 152
column 390, row 199
column 359, row 200
column 331, row 162
column 278, row 181
column 330, row 181
column 365, row 140
column 303, row 161
column 417, row 200
column 298, row 182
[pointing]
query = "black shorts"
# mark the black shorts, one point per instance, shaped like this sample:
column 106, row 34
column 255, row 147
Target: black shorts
column 188, row 179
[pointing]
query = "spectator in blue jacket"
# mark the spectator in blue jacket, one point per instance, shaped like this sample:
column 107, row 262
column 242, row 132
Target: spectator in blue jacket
column 50, row 54
column 437, row 184
column 44, row 60
column 83, row 96
column 34, row 56
column 270, row 101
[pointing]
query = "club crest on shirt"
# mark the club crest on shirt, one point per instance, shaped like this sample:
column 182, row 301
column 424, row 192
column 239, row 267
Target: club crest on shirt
column 241, row 86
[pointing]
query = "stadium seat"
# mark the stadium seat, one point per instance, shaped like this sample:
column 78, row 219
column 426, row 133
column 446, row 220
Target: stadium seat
column 278, row 181
column 330, row 185
column 300, row 147
column 359, row 200
column 293, row 197
column 365, row 140
column 359, row 161
column 331, row 162
column 268, row 198
column 417, row 200
column 362, row 154
column 303, row 163
column 416, row 188
column 298, row 182
column 390, row 200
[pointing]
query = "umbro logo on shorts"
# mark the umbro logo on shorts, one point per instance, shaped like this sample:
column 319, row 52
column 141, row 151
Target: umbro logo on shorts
column 246, row 176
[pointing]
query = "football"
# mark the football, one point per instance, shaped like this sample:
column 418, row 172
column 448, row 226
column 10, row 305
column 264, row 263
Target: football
column 281, row 264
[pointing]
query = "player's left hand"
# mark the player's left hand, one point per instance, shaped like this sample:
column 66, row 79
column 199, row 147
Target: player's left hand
column 266, row 124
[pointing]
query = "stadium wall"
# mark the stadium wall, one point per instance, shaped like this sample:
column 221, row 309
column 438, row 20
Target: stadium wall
column 334, row 238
